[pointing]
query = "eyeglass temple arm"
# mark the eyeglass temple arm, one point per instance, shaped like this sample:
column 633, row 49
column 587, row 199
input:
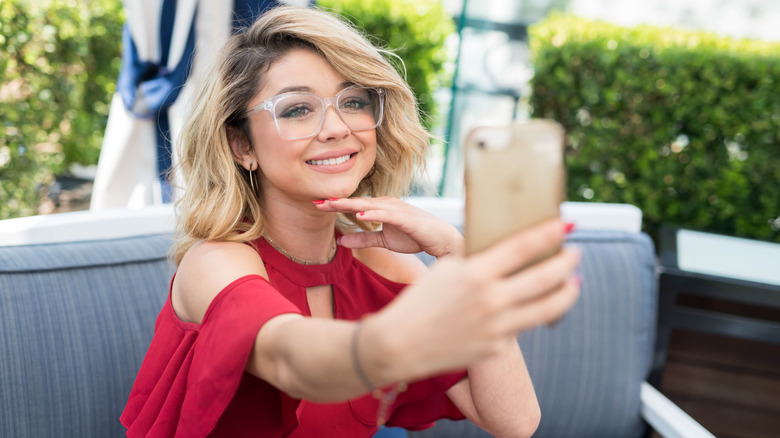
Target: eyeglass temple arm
column 266, row 105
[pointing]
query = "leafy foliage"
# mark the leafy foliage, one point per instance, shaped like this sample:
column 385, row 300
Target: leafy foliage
column 413, row 29
column 58, row 69
column 684, row 125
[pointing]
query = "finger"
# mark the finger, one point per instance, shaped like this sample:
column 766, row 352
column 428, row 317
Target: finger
column 542, row 277
column 364, row 239
column 546, row 309
column 356, row 205
column 519, row 249
column 392, row 217
column 332, row 206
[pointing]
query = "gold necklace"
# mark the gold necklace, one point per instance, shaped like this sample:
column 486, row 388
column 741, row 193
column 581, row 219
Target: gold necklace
column 300, row 261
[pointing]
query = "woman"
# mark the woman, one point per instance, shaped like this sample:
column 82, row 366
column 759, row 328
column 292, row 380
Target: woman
column 284, row 318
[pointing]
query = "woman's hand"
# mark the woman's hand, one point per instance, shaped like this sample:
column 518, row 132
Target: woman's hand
column 405, row 228
column 468, row 309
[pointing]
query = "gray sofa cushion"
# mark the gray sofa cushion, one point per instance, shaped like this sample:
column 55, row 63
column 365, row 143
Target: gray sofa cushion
column 587, row 370
column 75, row 322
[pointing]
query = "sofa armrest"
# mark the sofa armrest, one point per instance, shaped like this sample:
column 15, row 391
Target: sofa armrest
column 80, row 226
column 667, row 418
column 586, row 215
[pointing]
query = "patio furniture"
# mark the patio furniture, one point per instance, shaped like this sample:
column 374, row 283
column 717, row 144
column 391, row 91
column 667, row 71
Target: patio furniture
column 79, row 293
column 728, row 269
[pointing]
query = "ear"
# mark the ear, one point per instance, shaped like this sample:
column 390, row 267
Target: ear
column 240, row 147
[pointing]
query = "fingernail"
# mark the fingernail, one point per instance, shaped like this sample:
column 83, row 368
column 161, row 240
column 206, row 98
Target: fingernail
column 318, row 201
column 577, row 278
column 568, row 227
column 333, row 199
column 338, row 241
column 361, row 213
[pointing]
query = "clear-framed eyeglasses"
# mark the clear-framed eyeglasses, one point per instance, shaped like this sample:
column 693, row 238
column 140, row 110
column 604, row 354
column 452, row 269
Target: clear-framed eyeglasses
column 299, row 115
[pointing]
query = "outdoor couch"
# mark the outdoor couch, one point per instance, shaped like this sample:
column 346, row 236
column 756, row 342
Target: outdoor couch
column 79, row 294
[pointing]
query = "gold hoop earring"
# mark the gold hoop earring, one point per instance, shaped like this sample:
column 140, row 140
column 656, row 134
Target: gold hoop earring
column 251, row 178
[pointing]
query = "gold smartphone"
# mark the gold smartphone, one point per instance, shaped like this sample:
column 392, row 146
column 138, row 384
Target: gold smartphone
column 515, row 178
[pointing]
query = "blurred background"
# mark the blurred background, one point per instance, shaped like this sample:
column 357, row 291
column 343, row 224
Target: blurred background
column 669, row 105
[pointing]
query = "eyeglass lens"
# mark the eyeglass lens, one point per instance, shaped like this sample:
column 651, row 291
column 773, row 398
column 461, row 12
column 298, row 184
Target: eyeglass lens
column 300, row 115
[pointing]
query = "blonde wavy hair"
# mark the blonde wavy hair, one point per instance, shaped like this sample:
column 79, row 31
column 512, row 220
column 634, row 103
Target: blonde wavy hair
column 218, row 202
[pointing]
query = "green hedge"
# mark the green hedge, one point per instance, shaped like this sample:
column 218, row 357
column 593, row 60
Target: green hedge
column 415, row 30
column 58, row 67
column 684, row 125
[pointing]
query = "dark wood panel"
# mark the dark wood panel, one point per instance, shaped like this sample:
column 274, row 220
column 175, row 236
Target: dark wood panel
column 722, row 351
column 715, row 386
column 725, row 421
column 730, row 386
column 731, row 307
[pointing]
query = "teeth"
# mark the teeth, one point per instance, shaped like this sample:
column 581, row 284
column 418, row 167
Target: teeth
column 331, row 162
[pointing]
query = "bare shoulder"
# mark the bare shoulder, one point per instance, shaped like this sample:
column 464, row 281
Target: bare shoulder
column 205, row 270
column 397, row 267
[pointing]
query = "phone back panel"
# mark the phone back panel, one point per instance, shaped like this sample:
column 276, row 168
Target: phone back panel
column 514, row 179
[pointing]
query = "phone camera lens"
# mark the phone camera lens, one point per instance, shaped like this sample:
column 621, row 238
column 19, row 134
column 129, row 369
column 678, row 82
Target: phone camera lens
column 481, row 144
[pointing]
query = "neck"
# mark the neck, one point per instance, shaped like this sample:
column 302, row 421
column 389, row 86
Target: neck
column 299, row 229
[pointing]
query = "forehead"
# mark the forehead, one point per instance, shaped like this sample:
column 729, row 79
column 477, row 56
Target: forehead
column 301, row 68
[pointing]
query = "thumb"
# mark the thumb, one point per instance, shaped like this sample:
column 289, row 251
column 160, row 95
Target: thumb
column 365, row 239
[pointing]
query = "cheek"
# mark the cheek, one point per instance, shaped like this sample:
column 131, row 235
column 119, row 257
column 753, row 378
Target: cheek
column 269, row 147
column 368, row 139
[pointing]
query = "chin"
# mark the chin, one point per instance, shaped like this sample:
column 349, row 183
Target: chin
column 345, row 193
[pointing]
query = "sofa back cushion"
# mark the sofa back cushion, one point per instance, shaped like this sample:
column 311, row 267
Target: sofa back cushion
column 587, row 370
column 75, row 322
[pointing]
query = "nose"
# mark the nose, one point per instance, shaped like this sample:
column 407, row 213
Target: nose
column 333, row 127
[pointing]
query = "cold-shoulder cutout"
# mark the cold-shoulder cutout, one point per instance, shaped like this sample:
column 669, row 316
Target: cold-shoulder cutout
column 396, row 267
column 206, row 269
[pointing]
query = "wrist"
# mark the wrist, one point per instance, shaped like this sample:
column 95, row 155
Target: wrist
column 370, row 354
column 383, row 371
column 457, row 244
column 380, row 351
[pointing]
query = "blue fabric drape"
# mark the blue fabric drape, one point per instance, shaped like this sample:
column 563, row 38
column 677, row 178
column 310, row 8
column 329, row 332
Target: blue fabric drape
column 245, row 12
column 149, row 87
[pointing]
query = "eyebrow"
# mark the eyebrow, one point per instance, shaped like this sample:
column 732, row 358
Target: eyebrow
column 306, row 89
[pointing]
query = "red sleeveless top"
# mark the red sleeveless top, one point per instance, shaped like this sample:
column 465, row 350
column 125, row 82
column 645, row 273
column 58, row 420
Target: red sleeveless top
column 192, row 381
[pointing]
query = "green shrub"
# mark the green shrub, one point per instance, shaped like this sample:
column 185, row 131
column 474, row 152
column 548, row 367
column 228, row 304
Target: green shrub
column 415, row 30
column 58, row 69
column 684, row 125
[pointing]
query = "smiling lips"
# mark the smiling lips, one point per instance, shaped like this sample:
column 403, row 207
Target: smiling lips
column 331, row 161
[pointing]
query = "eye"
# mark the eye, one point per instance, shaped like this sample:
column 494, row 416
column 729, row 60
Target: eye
column 354, row 103
column 297, row 110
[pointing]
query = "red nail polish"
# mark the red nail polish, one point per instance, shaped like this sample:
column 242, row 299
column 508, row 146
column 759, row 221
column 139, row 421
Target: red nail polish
column 318, row 201
column 361, row 213
column 568, row 227
column 333, row 199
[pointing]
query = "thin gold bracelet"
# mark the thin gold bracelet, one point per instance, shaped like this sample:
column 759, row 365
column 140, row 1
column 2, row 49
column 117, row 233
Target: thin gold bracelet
column 386, row 398
column 356, row 360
